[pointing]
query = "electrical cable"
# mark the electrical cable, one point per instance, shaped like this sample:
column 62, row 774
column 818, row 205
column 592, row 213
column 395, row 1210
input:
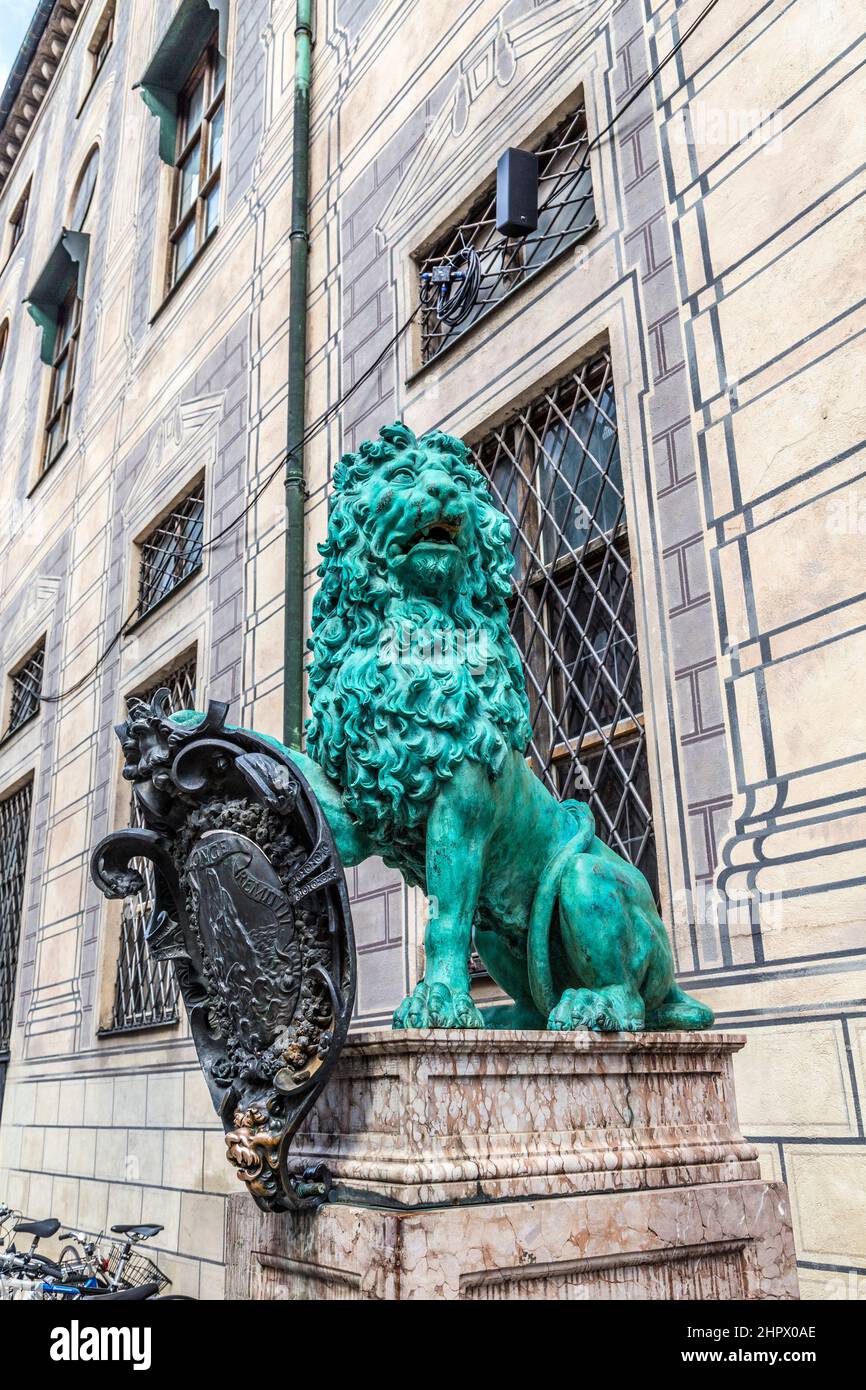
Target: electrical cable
column 452, row 306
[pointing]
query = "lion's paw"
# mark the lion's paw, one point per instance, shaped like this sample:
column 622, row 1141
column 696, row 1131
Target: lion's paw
column 589, row 1008
column 438, row 1006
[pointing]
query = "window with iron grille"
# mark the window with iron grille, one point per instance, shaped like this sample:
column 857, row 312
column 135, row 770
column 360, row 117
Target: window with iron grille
column 26, row 688
column 145, row 990
column 172, row 551
column 554, row 468
column 14, row 835
column 566, row 213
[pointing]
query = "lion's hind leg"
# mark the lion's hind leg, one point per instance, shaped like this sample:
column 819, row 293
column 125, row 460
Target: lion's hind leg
column 679, row 1010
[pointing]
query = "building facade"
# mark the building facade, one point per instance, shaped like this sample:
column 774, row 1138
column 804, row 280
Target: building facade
column 660, row 382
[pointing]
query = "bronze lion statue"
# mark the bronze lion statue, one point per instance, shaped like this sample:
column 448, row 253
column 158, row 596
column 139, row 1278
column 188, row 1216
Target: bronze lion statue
column 416, row 746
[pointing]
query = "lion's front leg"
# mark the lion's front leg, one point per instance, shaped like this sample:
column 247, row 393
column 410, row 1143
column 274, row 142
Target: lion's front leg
column 458, row 831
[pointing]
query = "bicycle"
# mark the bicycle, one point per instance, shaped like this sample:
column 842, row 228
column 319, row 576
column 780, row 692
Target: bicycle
column 83, row 1271
column 123, row 1272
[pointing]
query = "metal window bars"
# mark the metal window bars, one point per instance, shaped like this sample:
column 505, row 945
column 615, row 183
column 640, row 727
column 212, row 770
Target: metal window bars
column 566, row 213
column 26, row 689
column 172, row 551
column 145, row 991
column 554, row 468
column 14, row 836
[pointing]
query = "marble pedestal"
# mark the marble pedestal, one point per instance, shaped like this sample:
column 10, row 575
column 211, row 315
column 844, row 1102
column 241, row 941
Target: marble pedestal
column 476, row 1165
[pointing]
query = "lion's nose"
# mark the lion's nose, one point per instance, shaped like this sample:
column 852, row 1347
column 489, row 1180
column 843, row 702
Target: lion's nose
column 442, row 488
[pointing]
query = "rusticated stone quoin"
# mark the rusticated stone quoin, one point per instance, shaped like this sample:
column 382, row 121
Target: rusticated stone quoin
column 506, row 1165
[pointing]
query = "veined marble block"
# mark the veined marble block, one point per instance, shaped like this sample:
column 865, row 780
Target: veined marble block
column 525, row 1165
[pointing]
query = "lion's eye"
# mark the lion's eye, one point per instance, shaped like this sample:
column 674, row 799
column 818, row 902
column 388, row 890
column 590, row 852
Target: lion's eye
column 402, row 475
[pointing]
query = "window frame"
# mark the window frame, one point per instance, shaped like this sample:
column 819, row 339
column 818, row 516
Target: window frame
column 589, row 752
column 211, row 69
column 92, row 161
column 103, row 40
column 523, row 259
column 194, row 491
column 37, row 649
column 143, row 981
column 98, row 49
column 18, row 222
column 58, row 409
column 11, row 919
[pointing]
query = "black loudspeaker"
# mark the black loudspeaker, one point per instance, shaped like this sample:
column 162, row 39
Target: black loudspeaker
column 517, row 193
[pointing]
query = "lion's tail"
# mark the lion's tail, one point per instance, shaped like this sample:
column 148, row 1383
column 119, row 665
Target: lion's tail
column 541, row 984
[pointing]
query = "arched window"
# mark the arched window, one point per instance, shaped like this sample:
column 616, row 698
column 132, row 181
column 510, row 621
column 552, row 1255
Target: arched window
column 84, row 188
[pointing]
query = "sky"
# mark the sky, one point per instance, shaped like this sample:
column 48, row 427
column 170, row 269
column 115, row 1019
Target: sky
column 15, row 15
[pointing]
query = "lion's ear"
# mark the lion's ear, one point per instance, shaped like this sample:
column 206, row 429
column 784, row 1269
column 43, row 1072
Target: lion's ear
column 399, row 435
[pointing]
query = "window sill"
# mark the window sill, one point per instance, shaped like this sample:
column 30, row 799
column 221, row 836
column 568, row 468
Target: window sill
column 166, row 598
column 13, row 733
column 46, row 472
column 124, row 1029
column 185, row 274
column 531, row 279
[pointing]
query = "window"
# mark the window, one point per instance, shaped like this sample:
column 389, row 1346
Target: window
column 172, row 551
column 198, row 161
column 4, row 341
column 145, row 991
column 84, row 189
column 62, row 388
column 26, row 683
column 103, row 38
column 566, row 213
column 14, row 836
column 18, row 220
column 554, row 467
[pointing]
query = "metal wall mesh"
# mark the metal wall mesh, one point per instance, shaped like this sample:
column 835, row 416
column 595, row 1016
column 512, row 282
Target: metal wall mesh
column 145, row 992
column 14, row 836
column 554, row 468
column 566, row 212
column 172, row 551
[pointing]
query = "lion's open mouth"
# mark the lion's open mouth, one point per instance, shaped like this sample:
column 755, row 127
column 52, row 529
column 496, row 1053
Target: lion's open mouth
column 437, row 533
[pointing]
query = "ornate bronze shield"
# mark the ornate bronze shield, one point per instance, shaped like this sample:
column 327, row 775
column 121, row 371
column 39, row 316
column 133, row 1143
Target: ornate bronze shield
column 250, row 905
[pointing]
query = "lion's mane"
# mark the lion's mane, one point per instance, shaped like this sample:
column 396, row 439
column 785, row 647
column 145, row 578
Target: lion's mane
column 390, row 732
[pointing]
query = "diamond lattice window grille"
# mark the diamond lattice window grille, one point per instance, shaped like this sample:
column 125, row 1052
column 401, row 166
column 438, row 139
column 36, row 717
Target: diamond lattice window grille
column 566, row 213
column 145, row 991
column 14, row 836
column 172, row 551
column 26, row 683
column 554, row 468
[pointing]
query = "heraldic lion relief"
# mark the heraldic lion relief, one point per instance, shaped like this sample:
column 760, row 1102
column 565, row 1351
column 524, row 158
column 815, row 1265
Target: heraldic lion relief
column 416, row 751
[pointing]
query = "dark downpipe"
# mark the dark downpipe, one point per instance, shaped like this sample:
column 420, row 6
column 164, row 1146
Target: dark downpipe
column 296, row 491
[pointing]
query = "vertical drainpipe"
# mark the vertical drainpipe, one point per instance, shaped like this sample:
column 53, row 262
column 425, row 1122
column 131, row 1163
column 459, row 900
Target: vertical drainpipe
column 293, row 662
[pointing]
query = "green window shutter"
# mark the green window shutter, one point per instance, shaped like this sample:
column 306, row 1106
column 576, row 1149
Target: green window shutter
column 174, row 59
column 65, row 267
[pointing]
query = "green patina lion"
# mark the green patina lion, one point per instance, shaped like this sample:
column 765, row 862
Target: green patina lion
column 416, row 751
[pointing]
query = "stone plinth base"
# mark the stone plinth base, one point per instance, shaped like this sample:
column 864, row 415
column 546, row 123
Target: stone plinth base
column 525, row 1165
